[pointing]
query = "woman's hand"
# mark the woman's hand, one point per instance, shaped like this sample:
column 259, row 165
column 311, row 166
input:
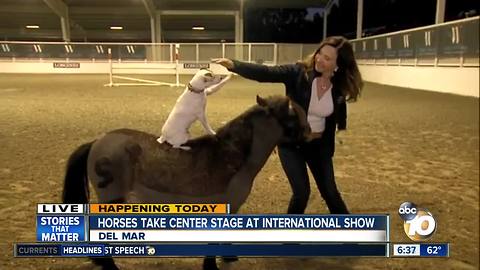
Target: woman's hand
column 227, row 63
column 340, row 136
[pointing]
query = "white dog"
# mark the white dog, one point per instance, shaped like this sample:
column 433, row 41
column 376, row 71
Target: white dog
column 190, row 106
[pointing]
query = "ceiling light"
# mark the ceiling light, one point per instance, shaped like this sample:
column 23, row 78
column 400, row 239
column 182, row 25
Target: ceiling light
column 116, row 27
column 32, row 26
column 200, row 28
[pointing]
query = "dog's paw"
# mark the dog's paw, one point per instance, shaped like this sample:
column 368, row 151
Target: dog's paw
column 186, row 148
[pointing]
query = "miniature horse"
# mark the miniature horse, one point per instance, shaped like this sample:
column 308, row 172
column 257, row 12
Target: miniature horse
column 130, row 166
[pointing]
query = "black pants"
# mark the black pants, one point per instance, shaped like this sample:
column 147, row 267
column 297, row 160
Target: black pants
column 294, row 161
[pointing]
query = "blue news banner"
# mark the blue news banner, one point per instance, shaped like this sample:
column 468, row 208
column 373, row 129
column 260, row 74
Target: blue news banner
column 199, row 249
column 70, row 235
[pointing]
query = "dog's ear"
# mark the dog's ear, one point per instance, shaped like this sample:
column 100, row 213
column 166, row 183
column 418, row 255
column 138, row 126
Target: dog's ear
column 261, row 101
column 207, row 77
column 209, row 73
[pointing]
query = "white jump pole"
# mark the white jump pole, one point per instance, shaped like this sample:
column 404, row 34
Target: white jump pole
column 177, row 76
column 111, row 68
column 141, row 82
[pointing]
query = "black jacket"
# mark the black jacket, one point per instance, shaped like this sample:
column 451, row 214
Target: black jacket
column 299, row 89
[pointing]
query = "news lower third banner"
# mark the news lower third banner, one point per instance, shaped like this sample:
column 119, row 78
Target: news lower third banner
column 199, row 249
column 199, row 230
column 238, row 228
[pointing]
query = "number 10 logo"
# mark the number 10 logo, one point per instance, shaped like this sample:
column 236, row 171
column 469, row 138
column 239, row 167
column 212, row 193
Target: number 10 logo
column 419, row 224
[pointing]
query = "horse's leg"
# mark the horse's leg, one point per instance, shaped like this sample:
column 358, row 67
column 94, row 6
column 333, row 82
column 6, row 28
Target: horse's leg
column 235, row 206
column 107, row 263
column 112, row 181
column 111, row 177
column 210, row 263
column 238, row 191
column 112, row 173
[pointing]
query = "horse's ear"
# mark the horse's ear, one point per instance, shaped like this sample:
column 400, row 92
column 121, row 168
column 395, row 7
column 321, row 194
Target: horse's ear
column 261, row 101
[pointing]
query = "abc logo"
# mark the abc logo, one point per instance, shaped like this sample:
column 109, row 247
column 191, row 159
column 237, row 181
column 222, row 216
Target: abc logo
column 407, row 211
column 419, row 224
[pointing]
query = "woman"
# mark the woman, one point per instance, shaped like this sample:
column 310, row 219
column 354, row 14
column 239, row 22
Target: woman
column 321, row 84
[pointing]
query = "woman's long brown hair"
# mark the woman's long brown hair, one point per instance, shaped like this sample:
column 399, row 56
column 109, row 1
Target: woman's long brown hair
column 347, row 75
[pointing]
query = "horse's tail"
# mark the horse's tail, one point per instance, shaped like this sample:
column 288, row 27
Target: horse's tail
column 75, row 188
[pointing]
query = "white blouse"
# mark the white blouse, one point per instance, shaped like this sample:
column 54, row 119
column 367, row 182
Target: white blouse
column 319, row 109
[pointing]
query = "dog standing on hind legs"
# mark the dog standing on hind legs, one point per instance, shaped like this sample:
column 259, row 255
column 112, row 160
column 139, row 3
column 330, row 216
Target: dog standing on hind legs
column 191, row 106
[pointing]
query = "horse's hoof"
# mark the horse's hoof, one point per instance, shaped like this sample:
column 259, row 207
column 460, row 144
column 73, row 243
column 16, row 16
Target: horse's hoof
column 105, row 264
column 210, row 263
column 230, row 259
column 110, row 267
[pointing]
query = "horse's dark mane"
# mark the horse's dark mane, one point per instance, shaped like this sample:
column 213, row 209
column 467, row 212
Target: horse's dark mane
column 234, row 140
column 240, row 120
column 239, row 127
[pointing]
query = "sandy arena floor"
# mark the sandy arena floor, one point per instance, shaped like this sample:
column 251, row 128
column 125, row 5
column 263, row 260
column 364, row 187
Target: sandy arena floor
column 401, row 145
